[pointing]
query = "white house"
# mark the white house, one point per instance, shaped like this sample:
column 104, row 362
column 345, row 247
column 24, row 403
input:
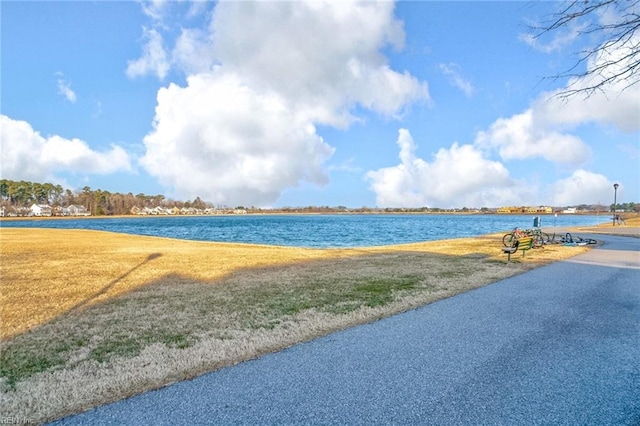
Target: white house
column 74, row 210
column 41, row 210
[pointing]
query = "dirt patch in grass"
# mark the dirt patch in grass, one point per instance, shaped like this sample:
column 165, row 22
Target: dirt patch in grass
column 90, row 317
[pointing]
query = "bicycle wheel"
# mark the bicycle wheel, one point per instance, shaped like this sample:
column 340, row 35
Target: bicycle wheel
column 537, row 241
column 507, row 239
column 546, row 239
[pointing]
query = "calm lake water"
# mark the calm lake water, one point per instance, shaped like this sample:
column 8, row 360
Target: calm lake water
column 318, row 231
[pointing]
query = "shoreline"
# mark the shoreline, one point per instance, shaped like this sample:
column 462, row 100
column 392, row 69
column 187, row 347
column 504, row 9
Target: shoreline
column 337, row 213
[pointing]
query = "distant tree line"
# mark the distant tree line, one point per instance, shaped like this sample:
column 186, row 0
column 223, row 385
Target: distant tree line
column 98, row 202
column 626, row 207
column 620, row 207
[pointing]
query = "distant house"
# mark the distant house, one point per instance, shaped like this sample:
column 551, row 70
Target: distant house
column 41, row 210
column 539, row 209
column 74, row 210
column 525, row 209
column 511, row 210
column 12, row 211
column 159, row 211
column 146, row 211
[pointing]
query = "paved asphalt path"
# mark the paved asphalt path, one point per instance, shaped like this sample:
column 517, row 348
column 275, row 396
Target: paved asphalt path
column 559, row 345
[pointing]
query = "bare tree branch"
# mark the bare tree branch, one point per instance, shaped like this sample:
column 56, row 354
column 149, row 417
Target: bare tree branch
column 612, row 64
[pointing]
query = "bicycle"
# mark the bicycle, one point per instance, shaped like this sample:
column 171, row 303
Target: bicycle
column 569, row 240
column 539, row 238
column 507, row 239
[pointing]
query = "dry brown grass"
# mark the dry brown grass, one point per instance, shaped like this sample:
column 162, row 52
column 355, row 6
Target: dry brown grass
column 134, row 313
column 630, row 228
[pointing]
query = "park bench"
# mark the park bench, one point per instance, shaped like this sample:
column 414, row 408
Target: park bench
column 522, row 243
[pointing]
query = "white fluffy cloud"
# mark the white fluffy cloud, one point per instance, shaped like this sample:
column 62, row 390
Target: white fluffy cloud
column 615, row 103
column 26, row 155
column 521, row 137
column 542, row 131
column 220, row 139
column 457, row 176
column 154, row 58
column 322, row 53
column 582, row 186
column 462, row 176
column 265, row 73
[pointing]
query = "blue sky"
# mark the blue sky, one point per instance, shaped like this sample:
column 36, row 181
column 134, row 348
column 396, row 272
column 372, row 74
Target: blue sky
column 272, row 104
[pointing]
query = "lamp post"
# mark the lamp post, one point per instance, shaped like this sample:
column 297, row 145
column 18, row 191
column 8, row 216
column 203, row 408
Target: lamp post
column 615, row 196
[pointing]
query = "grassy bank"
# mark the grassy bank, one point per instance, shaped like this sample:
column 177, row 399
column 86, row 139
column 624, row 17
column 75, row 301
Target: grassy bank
column 90, row 317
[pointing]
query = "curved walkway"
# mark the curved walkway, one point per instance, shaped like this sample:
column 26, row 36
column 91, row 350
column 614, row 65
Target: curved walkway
column 557, row 345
